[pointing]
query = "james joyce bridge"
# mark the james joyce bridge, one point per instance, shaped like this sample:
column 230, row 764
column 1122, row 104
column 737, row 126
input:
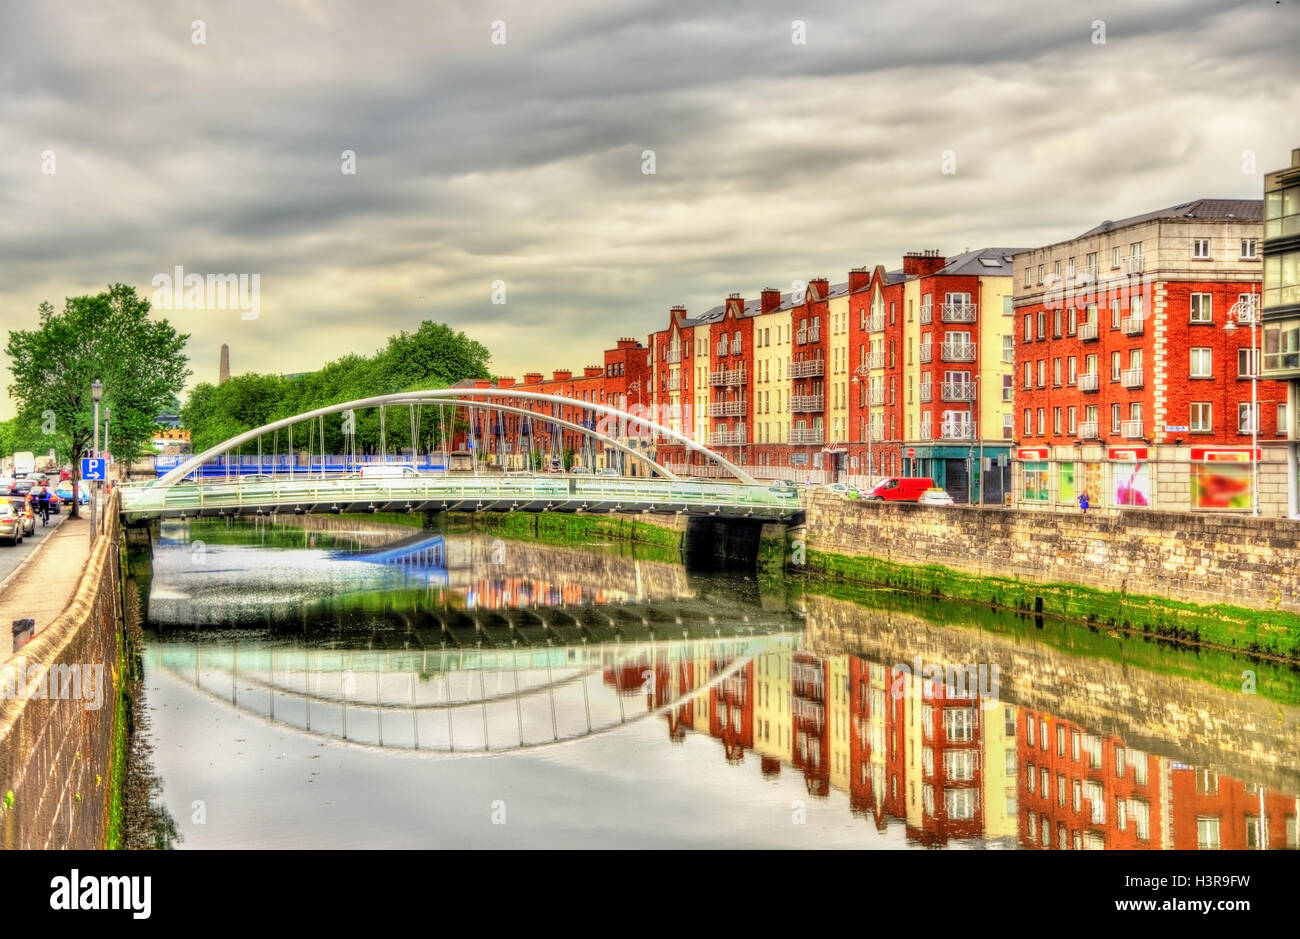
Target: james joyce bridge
column 184, row 491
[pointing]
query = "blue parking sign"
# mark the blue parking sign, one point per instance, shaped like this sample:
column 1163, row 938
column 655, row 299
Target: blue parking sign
column 93, row 469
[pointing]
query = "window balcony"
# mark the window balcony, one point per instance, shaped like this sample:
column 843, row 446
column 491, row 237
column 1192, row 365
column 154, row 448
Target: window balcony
column 673, row 383
column 1132, row 325
column 727, row 438
column 806, row 403
column 1131, row 264
column 876, row 323
column 926, row 433
column 732, row 376
column 959, row 312
column 875, row 396
column 674, row 355
column 958, row 431
column 875, row 360
column 1130, row 430
column 957, row 351
column 927, row 312
column 958, row 391
column 1088, row 271
column 875, row 432
column 801, row 336
column 1088, row 381
column 927, row 394
column 800, row 435
column 1088, row 332
column 1089, row 430
column 807, row 368
column 735, row 347
column 808, row 335
column 722, row 349
column 927, row 352
column 727, row 409
column 1131, row 377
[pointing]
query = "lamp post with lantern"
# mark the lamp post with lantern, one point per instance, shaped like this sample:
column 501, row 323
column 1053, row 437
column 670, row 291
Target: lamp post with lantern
column 96, row 395
column 1248, row 307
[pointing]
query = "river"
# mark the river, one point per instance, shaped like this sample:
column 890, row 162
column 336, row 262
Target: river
column 381, row 686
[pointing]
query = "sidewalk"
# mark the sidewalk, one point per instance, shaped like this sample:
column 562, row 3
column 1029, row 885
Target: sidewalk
column 45, row 583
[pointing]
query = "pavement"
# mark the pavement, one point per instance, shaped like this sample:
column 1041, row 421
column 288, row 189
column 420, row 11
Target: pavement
column 38, row 578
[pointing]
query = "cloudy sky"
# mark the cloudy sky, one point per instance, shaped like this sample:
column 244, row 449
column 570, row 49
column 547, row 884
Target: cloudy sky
column 522, row 161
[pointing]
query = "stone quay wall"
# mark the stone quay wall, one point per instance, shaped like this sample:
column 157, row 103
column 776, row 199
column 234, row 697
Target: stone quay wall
column 56, row 751
column 1203, row 559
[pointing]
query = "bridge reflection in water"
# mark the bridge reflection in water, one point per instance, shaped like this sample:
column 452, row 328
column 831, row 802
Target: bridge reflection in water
column 554, row 645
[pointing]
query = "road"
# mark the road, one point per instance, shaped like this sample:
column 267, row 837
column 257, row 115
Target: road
column 11, row 557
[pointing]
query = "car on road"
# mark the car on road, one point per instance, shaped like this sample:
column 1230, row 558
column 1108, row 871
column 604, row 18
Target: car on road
column 27, row 513
column 580, row 471
column 843, row 489
column 608, row 471
column 784, row 488
column 11, row 524
column 387, row 471
column 64, row 492
column 935, row 496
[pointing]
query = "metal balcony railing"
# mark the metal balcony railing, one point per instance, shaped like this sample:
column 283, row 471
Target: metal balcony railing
column 1088, row 381
column 807, row 435
column 1132, row 430
column 927, row 352
column 731, row 376
column 1088, row 430
column 673, row 383
column 875, row 359
column 727, row 438
column 722, row 349
column 927, row 394
column 926, row 433
column 674, row 355
column 959, row 312
column 875, row 396
column 958, row 391
column 876, row 432
column 957, row 351
column 735, row 347
column 1131, row 264
column 806, row 402
column 727, row 409
column 807, row 368
column 876, row 323
column 927, row 312
column 1132, row 325
column 801, row 336
column 960, row 431
column 1131, row 377
column 1088, row 332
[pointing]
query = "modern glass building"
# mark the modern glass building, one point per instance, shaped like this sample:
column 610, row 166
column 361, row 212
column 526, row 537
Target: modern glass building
column 1281, row 286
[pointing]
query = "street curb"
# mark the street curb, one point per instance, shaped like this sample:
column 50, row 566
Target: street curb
column 35, row 552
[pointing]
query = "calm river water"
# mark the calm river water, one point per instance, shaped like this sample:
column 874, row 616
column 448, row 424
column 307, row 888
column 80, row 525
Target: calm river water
column 379, row 686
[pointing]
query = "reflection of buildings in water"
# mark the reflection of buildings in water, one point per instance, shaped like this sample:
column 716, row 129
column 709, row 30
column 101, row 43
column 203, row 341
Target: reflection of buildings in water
column 950, row 769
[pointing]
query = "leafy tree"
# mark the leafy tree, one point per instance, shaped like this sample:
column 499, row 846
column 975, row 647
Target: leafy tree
column 109, row 336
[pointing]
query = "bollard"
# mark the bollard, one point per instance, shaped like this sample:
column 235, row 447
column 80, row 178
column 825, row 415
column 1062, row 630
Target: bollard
column 24, row 630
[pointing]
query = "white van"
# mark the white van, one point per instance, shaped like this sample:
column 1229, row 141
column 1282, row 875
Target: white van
column 386, row 471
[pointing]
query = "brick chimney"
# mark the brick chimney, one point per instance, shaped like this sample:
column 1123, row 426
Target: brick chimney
column 482, row 383
column 769, row 299
column 628, row 343
column 819, row 287
column 859, row 277
column 736, row 305
column 922, row 263
column 563, row 374
column 532, row 378
column 505, row 382
column 592, row 371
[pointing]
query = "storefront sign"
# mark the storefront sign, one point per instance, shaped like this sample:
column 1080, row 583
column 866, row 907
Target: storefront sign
column 1203, row 455
column 1031, row 453
column 1127, row 455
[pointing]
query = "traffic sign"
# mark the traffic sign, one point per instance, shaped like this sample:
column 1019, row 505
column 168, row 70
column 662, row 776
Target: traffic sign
column 93, row 468
column 911, row 451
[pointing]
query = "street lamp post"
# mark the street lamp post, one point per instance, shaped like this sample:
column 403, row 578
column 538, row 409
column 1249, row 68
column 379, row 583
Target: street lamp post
column 860, row 376
column 108, row 419
column 96, row 394
column 1249, row 307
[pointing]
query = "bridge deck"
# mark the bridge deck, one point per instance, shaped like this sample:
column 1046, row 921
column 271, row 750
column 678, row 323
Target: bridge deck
column 457, row 493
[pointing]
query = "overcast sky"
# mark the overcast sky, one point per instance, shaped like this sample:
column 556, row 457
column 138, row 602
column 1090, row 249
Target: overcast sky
column 522, row 161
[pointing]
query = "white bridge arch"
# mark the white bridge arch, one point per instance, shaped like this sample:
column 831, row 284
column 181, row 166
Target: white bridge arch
column 469, row 396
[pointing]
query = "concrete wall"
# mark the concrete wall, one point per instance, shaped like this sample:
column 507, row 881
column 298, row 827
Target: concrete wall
column 55, row 754
column 1205, row 559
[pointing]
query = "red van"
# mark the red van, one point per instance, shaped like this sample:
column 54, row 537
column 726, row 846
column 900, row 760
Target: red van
column 900, row 489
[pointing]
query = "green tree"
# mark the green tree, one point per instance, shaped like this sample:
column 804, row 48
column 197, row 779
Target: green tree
column 109, row 336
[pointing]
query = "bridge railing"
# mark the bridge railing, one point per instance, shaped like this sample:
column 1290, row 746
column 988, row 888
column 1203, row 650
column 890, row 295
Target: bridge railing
column 238, row 492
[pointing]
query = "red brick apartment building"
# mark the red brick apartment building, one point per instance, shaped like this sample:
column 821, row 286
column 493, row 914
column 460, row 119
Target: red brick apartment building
column 1133, row 366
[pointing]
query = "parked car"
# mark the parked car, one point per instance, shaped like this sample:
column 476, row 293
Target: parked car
column 64, row 491
column 11, row 524
column 900, row 489
column 608, row 471
column 843, row 489
column 580, row 471
column 26, row 513
column 935, row 496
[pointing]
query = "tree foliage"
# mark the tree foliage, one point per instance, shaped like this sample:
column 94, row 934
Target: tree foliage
column 434, row 356
column 109, row 336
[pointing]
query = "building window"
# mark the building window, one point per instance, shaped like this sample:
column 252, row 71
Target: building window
column 1116, row 419
column 1056, row 421
column 1202, row 362
column 1249, row 248
column 1029, row 375
column 1029, row 328
column 1072, row 373
column 1072, row 323
column 1040, row 275
column 1060, row 789
column 960, row 803
column 1029, row 423
column 1056, row 323
column 1201, row 421
column 1116, row 366
column 1115, row 314
column 958, row 724
column 1281, row 419
column 1247, row 418
column 1042, row 325
column 1008, row 348
column 1201, row 312
column 1207, row 834
column 1201, row 248
column 1248, row 364
column 1036, row 490
column 1029, row 275
column 1042, row 373
column 1056, row 372
column 1114, row 258
column 1042, row 422
column 1072, row 425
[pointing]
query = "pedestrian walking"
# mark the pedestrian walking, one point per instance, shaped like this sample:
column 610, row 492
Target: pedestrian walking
column 1083, row 502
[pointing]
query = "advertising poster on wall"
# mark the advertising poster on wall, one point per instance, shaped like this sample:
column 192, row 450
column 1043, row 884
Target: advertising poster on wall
column 1133, row 484
column 1065, row 491
column 1221, row 486
column 1089, row 481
